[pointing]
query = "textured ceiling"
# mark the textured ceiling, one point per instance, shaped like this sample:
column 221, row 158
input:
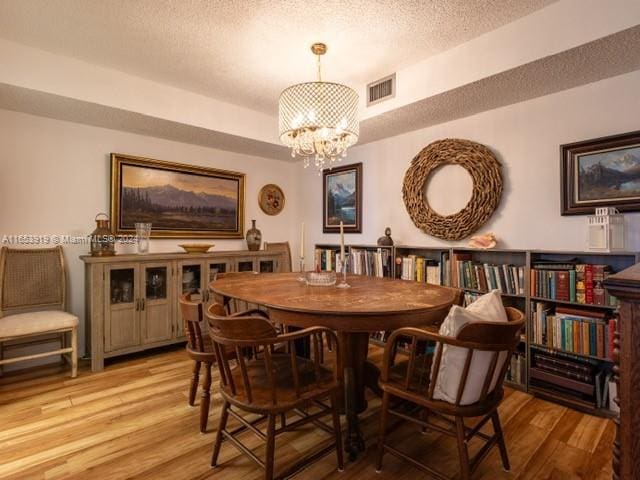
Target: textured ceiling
column 245, row 52
column 609, row 56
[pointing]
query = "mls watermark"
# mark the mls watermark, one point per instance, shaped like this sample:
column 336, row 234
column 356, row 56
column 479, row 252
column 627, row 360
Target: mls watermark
column 29, row 239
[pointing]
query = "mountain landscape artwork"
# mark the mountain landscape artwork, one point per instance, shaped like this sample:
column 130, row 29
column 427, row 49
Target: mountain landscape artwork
column 609, row 175
column 180, row 201
column 601, row 172
column 342, row 198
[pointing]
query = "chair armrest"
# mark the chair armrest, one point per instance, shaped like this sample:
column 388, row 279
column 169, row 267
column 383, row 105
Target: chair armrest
column 416, row 334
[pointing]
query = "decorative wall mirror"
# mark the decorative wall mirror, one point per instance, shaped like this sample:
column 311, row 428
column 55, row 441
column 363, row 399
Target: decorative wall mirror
column 485, row 172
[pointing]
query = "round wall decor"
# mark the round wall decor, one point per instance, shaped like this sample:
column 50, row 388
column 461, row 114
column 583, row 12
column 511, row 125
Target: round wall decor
column 271, row 199
column 485, row 171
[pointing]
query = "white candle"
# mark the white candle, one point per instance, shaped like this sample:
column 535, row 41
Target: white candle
column 302, row 241
column 341, row 241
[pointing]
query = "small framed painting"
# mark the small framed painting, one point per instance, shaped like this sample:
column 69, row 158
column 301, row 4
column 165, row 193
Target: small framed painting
column 180, row 201
column 342, row 199
column 271, row 199
column 604, row 172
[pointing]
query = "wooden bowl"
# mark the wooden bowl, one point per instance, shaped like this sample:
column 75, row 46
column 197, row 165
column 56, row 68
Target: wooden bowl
column 196, row 247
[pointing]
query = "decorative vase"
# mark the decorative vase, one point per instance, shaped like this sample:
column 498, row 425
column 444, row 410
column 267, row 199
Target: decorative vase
column 254, row 237
column 103, row 242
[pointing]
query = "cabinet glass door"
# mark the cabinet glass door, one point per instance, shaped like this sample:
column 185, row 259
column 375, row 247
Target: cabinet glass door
column 191, row 279
column 245, row 265
column 267, row 265
column 121, row 283
column 122, row 315
column 215, row 268
column 156, row 283
column 156, row 309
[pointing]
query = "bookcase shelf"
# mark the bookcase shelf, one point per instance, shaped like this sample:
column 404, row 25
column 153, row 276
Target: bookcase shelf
column 560, row 351
column 524, row 260
column 482, row 292
column 574, row 304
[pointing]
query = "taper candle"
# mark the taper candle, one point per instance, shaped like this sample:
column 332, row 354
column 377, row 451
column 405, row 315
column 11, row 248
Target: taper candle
column 302, row 241
column 341, row 241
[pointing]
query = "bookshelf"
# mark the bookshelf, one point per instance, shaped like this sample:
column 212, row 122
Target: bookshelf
column 524, row 372
column 579, row 324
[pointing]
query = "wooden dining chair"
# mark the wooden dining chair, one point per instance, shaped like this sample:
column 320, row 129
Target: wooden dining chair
column 273, row 384
column 489, row 345
column 284, row 248
column 200, row 349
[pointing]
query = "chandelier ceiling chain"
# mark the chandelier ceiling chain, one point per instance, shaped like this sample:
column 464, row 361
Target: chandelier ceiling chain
column 318, row 120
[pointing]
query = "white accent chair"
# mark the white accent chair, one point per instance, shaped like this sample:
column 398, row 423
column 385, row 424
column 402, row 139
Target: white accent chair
column 33, row 303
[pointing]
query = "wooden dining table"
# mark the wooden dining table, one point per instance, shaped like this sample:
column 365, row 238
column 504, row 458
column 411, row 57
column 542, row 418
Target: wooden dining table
column 371, row 304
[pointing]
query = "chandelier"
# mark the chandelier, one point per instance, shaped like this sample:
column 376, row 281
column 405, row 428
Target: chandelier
column 318, row 120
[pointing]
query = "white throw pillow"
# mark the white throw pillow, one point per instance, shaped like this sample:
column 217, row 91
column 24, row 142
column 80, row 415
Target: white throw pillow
column 487, row 308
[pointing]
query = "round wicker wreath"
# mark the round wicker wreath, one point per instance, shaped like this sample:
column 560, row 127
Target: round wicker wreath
column 484, row 169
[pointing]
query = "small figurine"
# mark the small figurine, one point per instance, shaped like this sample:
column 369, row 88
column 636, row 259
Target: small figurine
column 486, row 241
column 386, row 240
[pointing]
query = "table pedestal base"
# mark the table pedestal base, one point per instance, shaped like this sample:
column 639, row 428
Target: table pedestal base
column 358, row 373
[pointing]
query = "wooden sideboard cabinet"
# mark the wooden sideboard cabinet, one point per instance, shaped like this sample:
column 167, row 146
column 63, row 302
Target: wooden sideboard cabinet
column 132, row 300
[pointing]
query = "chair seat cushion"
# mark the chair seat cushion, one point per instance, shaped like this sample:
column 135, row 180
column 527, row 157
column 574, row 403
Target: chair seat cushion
column 33, row 323
column 310, row 385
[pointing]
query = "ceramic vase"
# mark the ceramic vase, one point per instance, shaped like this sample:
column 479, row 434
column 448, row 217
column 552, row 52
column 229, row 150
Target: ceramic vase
column 254, row 237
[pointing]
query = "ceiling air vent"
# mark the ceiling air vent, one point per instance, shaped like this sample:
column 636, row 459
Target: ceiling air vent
column 381, row 90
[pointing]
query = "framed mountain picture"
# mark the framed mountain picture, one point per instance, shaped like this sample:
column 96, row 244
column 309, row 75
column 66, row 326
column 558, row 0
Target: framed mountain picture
column 604, row 172
column 342, row 199
column 180, row 201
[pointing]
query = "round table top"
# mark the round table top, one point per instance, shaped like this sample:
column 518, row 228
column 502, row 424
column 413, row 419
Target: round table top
column 381, row 299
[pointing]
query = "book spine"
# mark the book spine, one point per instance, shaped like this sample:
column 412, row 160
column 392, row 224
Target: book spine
column 588, row 283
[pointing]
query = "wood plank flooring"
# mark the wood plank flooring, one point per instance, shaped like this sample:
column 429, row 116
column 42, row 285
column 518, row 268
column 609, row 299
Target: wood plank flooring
column 132, row 421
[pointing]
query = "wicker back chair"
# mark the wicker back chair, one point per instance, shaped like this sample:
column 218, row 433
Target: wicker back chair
column 272, row 384
column 33, row 303
column 281, row 247
column 415, row 380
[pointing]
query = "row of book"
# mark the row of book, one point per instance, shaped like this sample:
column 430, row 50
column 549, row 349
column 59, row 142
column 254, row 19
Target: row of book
column 360, row 261
column 517, row 371
column 575, row 330
column 325, row 259
column 470, row 297
column 571, row 282
column 423, row 269
column 585, row 381
column 375, row 263
column 485, row 277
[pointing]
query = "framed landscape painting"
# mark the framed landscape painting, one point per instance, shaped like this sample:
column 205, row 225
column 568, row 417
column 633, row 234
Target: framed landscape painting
column 603, row 172
column 342, row 199
column 180, row 201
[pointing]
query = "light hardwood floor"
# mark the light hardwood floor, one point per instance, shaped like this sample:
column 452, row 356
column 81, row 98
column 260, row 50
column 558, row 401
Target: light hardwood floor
column 133, row 421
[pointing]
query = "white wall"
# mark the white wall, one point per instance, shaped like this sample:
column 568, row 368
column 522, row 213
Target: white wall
column 55, row 175
column 54, row 178
column 526, row 138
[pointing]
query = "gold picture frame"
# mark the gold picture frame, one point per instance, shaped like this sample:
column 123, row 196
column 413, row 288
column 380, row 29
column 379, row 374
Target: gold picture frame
column 179, row 200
